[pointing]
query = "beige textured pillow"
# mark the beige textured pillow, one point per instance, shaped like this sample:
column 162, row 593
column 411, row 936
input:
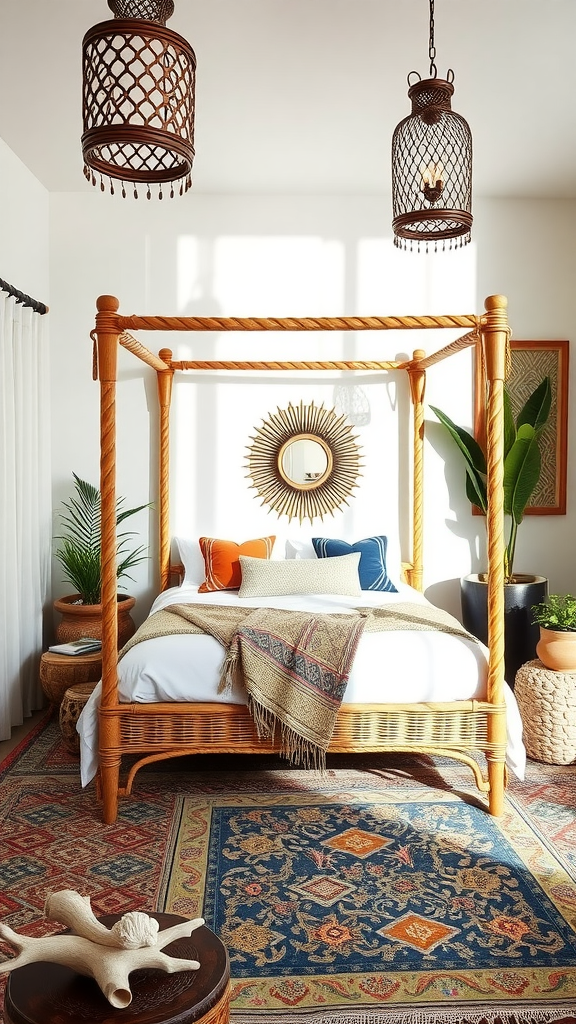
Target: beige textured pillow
column 263, row 578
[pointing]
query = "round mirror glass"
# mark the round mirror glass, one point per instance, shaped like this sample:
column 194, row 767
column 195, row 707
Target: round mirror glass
column 304, row 462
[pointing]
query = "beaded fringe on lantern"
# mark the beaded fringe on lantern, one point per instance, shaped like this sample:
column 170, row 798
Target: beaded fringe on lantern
column 138, row 102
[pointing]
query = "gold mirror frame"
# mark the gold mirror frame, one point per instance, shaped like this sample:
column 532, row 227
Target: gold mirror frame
column 311, row 499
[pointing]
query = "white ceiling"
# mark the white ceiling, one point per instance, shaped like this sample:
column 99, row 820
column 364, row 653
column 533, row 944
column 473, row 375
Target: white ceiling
column 302, row 96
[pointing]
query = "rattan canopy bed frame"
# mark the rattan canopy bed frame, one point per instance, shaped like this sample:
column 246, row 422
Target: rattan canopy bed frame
column 459, row 729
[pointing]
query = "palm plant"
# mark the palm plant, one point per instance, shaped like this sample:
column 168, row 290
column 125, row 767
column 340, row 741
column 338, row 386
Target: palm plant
column 79, row 552
column 522, row 460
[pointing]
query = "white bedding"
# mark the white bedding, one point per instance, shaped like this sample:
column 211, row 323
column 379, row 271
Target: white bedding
column 404, row 666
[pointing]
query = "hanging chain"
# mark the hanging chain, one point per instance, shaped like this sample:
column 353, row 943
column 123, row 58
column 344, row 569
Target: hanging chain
column 431, row 47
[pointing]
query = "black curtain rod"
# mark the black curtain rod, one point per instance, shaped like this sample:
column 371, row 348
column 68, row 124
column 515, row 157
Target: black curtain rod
column 26, row 300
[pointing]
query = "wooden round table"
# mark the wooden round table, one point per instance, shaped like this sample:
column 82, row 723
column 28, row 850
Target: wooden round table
column 45, row 993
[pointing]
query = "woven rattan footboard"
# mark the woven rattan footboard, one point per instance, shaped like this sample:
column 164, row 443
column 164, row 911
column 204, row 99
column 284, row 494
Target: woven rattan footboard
column 458, row 729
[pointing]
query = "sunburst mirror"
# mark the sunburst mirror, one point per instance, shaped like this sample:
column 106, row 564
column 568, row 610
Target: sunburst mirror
column 304, row 461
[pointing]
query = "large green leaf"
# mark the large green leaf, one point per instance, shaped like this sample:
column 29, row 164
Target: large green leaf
column 476, row 491
column 521, row 472
column 537, row 409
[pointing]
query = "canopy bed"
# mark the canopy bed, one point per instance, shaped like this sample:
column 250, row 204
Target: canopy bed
column 472, row 730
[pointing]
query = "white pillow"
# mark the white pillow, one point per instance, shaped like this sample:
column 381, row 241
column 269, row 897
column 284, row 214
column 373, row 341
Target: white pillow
column 300, row 549
column 264, row 578
column 192, row 559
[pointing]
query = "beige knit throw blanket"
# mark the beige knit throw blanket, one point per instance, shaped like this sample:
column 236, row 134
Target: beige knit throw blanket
column 293, row 665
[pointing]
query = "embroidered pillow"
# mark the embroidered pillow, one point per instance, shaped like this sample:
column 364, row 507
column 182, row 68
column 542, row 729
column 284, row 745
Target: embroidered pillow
column 221, row 560
column 372, row 568
column 300, row 576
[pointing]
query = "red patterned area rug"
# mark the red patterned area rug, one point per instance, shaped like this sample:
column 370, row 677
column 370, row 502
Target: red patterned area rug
column 380, row 891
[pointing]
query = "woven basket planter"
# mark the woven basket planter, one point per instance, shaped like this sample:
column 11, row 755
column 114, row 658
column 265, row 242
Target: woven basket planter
column 547, row 702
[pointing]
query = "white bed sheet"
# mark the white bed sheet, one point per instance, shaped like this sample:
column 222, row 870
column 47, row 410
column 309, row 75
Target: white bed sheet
column 403, row 666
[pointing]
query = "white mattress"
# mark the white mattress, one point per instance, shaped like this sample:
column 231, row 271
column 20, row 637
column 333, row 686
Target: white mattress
column 400, row 666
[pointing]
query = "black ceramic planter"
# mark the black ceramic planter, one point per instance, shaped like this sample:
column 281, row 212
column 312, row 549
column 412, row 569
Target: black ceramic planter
column 520, row 636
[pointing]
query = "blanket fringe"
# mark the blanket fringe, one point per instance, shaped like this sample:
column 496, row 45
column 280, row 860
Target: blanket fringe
column 423, row 1015
column 295, row 748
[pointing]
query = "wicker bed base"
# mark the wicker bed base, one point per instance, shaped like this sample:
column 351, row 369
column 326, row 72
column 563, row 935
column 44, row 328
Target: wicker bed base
column 459, row 730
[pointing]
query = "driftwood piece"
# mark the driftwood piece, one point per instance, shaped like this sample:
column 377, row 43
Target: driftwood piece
column 108, row 955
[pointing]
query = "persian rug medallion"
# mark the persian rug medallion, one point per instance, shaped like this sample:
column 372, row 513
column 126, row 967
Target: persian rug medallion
column 391, row 905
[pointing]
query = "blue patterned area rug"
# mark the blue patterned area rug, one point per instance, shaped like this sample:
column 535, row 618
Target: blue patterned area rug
column 364, row 906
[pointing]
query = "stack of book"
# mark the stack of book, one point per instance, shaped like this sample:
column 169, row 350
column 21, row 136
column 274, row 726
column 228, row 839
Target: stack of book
column 85, row 645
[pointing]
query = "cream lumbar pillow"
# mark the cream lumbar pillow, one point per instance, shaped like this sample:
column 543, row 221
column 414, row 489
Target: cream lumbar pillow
column 263, row 578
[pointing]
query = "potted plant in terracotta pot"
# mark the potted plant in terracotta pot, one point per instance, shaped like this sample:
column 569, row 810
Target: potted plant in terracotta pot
column 79, row 554
column 522, row 466
column 556, row 619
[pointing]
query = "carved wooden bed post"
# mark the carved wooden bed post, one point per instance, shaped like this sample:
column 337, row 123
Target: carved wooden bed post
column 495, row 335
column 165, row 378
column 417, row 377
column 107, row 335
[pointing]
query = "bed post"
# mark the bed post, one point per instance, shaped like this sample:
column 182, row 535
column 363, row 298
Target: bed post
column 417, row 387
column 165, row 378
column 495, row 335
column 107, row 335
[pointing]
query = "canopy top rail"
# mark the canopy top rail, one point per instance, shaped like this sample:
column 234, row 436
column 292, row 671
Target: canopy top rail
column 108, row 320
column 323, row 323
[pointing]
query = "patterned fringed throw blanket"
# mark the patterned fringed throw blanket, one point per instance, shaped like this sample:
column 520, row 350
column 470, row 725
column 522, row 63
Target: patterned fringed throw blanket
column 293, row 665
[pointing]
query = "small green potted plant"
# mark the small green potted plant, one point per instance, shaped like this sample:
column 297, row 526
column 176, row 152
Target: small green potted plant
column 522, row 467
column 79, row 554
column 556, row 617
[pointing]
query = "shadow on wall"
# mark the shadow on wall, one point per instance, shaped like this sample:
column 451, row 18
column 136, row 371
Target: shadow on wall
column 446, row 595
column 465, row 525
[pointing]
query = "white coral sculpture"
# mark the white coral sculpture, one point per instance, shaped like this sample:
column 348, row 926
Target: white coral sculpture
column 106, row 954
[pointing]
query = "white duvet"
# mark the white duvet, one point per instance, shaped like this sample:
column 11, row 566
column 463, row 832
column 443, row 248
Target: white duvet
column 404, row 666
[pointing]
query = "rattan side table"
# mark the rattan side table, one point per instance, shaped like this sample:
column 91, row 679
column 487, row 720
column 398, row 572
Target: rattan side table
column 547, row 703
column 59, row 671
column 45, row 993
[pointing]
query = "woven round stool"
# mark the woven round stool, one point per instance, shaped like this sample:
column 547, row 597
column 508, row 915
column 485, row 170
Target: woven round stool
column 71, row 707
column 547, row 703
column 59, row 671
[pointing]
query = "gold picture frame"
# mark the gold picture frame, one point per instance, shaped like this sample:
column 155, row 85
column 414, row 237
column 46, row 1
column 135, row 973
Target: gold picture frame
column 530, row 362
column 324, row 484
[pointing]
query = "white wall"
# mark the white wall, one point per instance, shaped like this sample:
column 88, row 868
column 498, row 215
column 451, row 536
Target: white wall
column 302, row 256
column 24, row 231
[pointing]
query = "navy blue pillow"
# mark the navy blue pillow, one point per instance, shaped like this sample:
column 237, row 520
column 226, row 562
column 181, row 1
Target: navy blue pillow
column 372, row 567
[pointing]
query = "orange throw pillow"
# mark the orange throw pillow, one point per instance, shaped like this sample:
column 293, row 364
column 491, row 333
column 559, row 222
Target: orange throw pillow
column 222, row 560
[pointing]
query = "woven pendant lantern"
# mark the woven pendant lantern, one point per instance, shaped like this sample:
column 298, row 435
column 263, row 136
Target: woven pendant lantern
column 432, row 165
column 138, row 100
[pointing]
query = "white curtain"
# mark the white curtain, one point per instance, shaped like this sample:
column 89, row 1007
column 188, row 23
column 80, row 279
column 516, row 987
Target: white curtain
column 25, row 507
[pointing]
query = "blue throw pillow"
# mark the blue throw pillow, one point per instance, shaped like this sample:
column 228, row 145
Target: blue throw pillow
column 372, row 567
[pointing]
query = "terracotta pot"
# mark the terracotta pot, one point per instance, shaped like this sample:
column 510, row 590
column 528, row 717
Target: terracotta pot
column 557, row 649
column 86, row 619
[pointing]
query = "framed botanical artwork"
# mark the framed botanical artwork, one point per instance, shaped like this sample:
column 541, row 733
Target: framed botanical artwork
column 530, row 362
